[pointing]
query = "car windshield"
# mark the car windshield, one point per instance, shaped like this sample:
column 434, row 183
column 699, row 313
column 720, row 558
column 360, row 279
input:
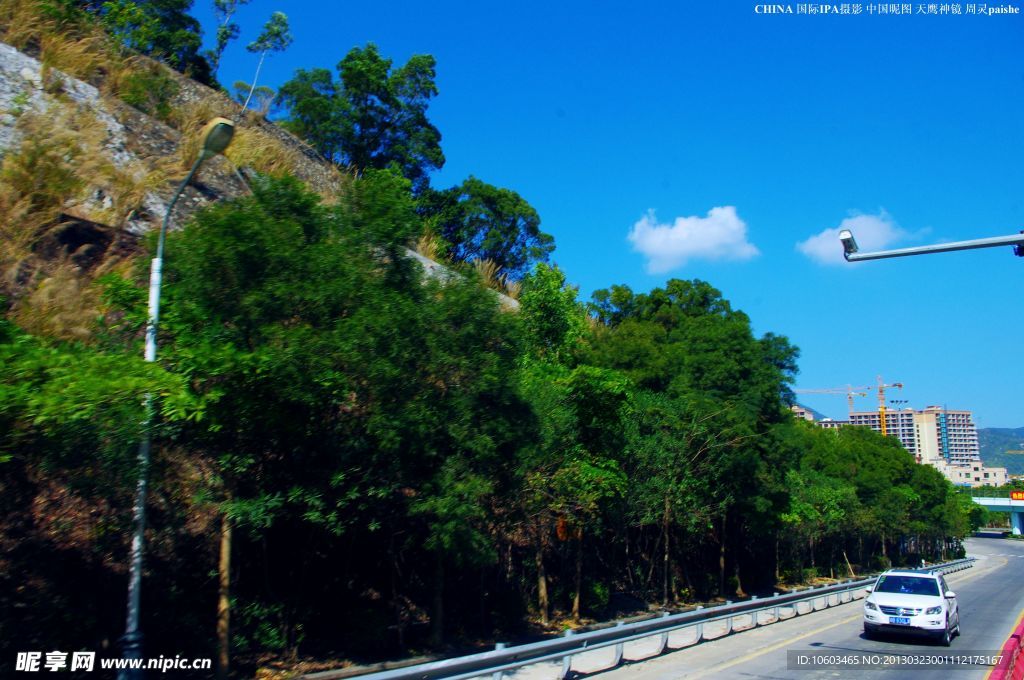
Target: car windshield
column 908, row 585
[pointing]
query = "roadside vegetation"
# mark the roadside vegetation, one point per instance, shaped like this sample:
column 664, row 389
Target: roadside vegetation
column 353, row 461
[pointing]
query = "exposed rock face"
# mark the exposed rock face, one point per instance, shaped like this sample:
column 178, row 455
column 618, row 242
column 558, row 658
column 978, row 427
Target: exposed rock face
column 308, row 165
column 137, row 144
column 134, row 142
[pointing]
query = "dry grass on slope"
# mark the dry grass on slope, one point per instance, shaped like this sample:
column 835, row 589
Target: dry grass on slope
column 45, row 270
column 251, row 147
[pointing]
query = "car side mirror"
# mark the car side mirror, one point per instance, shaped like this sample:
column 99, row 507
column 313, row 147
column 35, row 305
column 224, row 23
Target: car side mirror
column 950, row 594
column 869, row 589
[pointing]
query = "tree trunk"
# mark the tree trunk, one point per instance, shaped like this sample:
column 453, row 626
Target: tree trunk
column 721, row 558
column 666, row 561
column 252, row 88
column 849, row 567
column 437, row 617
column 399, row 623
column 686, row 578
column 224, row 600
column 483, row 599
column 542, row 584
column 629, row 572
column 777, row 574
column 579, row 576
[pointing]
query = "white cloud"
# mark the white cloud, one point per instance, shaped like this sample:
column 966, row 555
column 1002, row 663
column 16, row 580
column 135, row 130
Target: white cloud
column 722, row 235
column 873, row 232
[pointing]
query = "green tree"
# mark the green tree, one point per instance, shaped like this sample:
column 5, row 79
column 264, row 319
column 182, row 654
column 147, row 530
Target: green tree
column 480, row 221
column 262, row 96
column 276, row 37
column 820, row 507
column 574, row 469
column 76, row 405
column 162, row 29
column 671, row 450
column 686, row 341
column 227, row 30
column 345, row 396
column 373, row 117
column 554, row 320
column 314, row 111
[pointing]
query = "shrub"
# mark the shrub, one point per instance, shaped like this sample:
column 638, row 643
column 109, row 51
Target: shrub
column 149, row 89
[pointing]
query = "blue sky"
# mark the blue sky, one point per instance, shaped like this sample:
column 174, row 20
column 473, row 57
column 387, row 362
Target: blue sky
column 702, row 140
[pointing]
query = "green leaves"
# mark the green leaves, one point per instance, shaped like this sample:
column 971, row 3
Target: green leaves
column 276, row 35
column 484, row 222
column 373, row 117
column 455, row 507
column 82, row 401
column 162, row 29
column 554, row 321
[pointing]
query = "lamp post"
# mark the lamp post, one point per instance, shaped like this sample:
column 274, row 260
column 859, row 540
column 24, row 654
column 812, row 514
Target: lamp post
column 215, row 137
column 852, row 253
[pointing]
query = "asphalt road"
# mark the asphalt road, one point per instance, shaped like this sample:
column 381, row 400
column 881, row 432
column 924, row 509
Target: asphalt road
column 991, row 601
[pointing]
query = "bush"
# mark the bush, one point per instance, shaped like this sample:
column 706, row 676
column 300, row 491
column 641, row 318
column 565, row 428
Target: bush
column 150, row 90
column 597, row 596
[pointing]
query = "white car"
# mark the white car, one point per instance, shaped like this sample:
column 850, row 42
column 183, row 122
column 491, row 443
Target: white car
column 911, row 602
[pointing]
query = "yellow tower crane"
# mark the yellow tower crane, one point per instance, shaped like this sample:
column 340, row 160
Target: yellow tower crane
column 882, row 387
column 849, row 391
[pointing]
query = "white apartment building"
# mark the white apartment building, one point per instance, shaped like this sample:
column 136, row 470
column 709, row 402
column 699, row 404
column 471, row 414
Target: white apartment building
column 975, row 474
column 898, row 423
column 931, row 434
column 801, row 412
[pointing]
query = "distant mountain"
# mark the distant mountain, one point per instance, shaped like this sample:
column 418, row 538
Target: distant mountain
column 996, row 441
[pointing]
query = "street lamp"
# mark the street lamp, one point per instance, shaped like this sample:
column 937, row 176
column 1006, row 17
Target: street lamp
column 852, row 253
column 215, row 137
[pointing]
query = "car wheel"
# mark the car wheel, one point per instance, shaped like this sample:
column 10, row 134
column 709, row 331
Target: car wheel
column 957, row 628
column 869, row 632
column 947, row 635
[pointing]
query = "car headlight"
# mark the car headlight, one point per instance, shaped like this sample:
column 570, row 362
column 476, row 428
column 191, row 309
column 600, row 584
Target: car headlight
column 933, row 610
column 870, row 605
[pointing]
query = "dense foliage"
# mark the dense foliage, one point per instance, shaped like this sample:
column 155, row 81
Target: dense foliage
column 372, row 117
column 403, row 452
column 480, row 221
column 355, row 460
column 162, row 29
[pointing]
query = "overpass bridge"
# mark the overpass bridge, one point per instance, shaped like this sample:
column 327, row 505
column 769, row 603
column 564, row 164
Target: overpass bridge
column 1013, row 505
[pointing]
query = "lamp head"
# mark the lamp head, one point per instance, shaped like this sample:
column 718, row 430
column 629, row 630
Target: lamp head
column 849, row 243
column 216, row 136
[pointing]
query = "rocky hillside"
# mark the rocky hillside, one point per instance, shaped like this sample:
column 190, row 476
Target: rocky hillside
column 86, row 174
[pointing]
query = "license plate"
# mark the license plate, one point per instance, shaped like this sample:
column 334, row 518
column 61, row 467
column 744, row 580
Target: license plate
column 899, row 620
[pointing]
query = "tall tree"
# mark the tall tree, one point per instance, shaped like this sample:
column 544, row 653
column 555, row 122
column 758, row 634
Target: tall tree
column 227, row 30
column 276, row 37
column 314, row 111
column 262, row 96
column 162, row 29
column 484, row 222
column 344, row 394
column 686, row 341
column 374, row 117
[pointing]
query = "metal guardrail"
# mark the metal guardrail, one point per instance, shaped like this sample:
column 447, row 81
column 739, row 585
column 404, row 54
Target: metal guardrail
column 495, row 663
